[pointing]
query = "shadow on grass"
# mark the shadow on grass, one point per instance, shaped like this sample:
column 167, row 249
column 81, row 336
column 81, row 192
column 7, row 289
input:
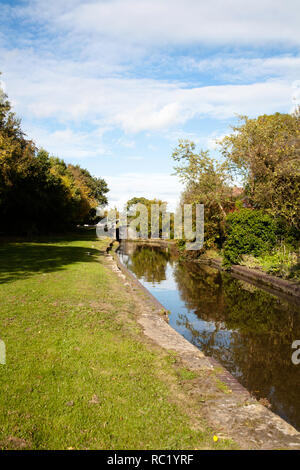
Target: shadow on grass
column 19, row 261
column 78, row 234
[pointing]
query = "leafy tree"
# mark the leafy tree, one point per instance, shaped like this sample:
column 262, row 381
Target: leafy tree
column 206, row 182
column 91, row 191
column 143, row 200
column 266, row 152
column 39, row 193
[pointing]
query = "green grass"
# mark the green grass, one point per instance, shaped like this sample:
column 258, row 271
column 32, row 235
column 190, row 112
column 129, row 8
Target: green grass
column 186, row 374
column 282, row 261
column 78, row 373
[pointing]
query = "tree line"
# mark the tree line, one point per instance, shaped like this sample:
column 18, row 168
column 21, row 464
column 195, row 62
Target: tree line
column 251, row 193
column 40, row 193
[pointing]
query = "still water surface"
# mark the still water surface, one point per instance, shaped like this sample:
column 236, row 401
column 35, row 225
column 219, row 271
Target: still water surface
column 249, row 331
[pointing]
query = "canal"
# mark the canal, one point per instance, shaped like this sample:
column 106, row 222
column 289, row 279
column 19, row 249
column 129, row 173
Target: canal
column 248, row 330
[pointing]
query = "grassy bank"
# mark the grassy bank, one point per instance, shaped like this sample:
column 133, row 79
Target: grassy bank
column 78, row 372
column 281, row 262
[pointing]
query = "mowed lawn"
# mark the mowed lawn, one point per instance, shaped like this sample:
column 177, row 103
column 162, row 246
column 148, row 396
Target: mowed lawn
column 78, row 374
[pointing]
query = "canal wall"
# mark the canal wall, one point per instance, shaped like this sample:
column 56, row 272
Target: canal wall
column 250, row 275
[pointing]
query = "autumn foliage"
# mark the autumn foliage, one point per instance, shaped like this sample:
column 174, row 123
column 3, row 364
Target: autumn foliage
column 40, row 193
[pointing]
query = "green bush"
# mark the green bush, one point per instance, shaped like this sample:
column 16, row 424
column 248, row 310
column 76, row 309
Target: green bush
column 248, row 231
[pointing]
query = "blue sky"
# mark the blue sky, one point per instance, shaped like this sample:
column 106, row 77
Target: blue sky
column 113, row 84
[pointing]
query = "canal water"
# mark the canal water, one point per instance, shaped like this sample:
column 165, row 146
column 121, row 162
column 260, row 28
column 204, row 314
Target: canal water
column 248, row 330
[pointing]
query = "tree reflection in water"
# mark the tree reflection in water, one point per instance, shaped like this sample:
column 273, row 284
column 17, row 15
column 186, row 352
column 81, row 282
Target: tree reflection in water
column 146, row 261
column 247, row 329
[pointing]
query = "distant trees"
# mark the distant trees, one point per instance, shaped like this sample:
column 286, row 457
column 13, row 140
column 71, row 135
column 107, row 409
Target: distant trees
column 163, row 226
column 39, row 193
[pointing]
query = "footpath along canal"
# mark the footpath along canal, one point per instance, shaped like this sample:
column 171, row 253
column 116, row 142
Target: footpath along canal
column 246, row 329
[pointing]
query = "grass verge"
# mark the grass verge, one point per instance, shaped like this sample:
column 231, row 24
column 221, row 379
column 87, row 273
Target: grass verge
column 78, row 374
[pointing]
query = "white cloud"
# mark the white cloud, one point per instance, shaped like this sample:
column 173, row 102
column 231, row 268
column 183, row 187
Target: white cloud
column 296, row 93
column 67, row 143
column 77, row 78
column 213, row 139
column 175, row 21
column 247, row 68
column 80, row 72
column 126, row 143
column 48, row 90
column 150, row 185
column 203, row 141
